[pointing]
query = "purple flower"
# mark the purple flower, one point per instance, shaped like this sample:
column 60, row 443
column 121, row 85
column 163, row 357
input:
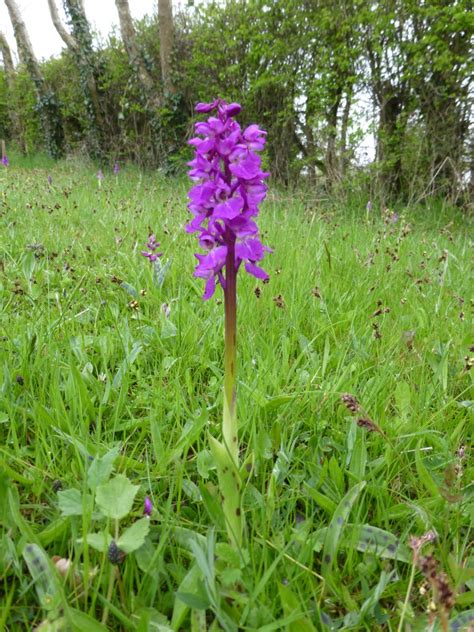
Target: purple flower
column 5, row 161
column 50, row 180
column 100, row 175
column 147, row 507
column 394, row 218
column 229, row 186
column 116, row 168
column 369, row 206
column 152, row 246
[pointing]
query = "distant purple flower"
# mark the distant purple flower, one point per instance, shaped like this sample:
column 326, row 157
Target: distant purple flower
column 116, row 168
column 5, row 161
column 394, row 218
column 147, row 507
column 100, row 175
column 50, row 180
column 229, row 187
column 152, row 246
column 369, row 206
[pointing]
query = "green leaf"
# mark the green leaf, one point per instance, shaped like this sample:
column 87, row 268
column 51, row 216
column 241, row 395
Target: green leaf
column 101, row 468
column 194, row 600
column 81, row 621
column 98, row 541
column 70, row 502
column 229, row 488
column 333, row 534
column 292, row 607
column 367, row 539
column 115, row 498
column 44, row 577
column 424, row 475
column 205, row 463
column 134, row 537
column 188, row 586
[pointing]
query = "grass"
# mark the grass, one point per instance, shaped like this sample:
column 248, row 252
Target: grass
column 106, row 365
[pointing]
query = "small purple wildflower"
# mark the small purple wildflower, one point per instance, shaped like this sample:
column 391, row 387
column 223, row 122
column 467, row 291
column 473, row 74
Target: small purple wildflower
column 229, row 188
column 369, row 206
column 50, row 180
column 5, row 161
column 152, row 246
column 116, row 168
column 147, row 507
column 100, row 175
column 394, row 218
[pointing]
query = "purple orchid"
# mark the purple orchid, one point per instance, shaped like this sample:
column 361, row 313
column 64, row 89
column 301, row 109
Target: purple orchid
column 5, row 161
column 229, row 187
column 152, row 246
column 100, row 175
column 147, row 507
column 116, row 168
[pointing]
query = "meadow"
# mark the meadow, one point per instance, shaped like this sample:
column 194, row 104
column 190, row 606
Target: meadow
column 111, row 380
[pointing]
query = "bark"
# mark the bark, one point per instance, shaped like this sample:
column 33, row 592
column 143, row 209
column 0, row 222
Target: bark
column 10, row 76
column 134, row 56
column 25, row 49
column 67, row 38
column 344, row 159
column 47, row 106
column 331, row 156
column 391, row 101
column 7, row 58
column 165, row 25
column 79, row 43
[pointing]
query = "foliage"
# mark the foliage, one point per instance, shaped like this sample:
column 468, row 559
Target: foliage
column 111, row 376
column 317, row 75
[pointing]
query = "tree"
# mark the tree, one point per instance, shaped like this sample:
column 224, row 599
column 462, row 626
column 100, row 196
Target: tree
column 79, row 44
column 165, row 25
column 9, row 69
column 135, row 57
column 46, row 104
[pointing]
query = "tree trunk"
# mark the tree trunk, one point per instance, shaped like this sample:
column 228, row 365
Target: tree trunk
column 134, row 56
column 49, row 112
column 67, row 38
column 389, row 139
column 79, row 43
column 331, row 156
column 165, row 25
column 7, row 58
column 15, row 132
column 344, row 158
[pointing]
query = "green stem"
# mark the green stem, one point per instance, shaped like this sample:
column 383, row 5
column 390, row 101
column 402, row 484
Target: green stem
column 229, row 425
column 407, row 597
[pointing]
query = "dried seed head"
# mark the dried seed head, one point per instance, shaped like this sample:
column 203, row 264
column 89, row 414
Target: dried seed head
column 57, row 485
column 114, row 554
column 428, row 566
column 350, row 402
column 258, row 292
column 468, row 363
column 377, row 334
column 461, row 452
column 445, row 593
column 368, row 424
column 279, row 301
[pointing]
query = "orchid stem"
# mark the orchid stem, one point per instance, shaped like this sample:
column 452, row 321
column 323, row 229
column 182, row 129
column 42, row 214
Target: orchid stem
column 229, row 425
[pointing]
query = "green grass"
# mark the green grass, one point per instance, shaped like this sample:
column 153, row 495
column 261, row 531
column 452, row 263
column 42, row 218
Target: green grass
column 85, row 369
